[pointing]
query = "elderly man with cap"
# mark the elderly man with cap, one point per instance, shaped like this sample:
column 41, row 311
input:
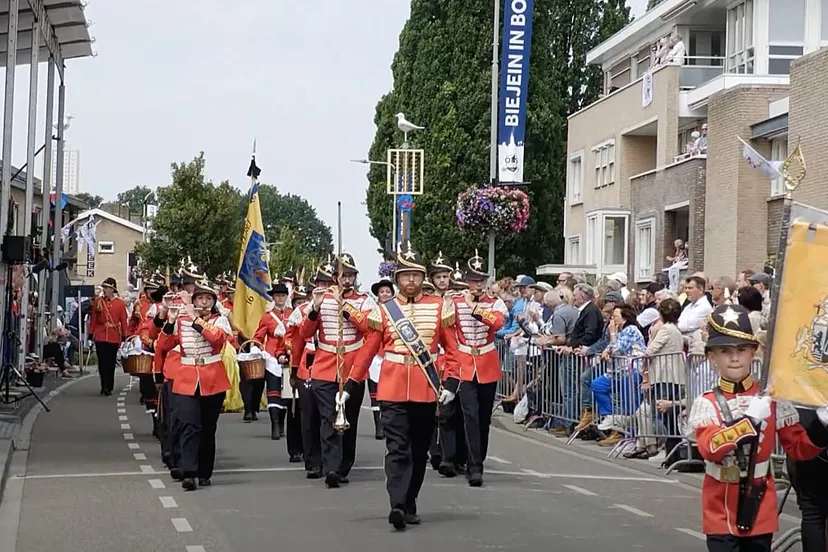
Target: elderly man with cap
column 338, row 450
column 479, row 316
column 271, row 334
column 763, row 282
column 383, row 290
column 407, row 331
column 618, row 282
column 108, row 326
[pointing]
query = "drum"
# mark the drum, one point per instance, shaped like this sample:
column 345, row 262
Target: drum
column 252, row 369
column 138, row 364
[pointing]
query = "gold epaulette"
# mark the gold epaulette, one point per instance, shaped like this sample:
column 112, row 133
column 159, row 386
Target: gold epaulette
column 732, row 434
column 447, row 314
column 375, row 318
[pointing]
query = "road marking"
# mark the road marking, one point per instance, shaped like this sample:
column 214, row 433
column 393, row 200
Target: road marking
column 122, row 411
column 692, row 533
column 497, row 459
column 168, row 502
column 139, row 456
column 146, row 469
column 123, row 418
column 632, row 510
column 129, row 437
column 580, row 490
column 182, row 525
column 134, row 446
column 157, row 484
column 198, row 548
column 126, row 426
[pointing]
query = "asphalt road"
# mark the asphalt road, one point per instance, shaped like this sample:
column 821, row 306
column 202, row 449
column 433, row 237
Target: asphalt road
column 94, row 481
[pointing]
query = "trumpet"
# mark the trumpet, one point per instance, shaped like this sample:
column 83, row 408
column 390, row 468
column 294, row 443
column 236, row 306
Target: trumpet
column 341, row 424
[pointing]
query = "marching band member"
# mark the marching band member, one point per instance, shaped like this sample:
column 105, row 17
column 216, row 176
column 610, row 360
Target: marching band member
column 479, row 316
column 142, row 305
column 155, row 289
column 409, row 385
column 200, row 381
column 108, row 326
column 289, row 279
column 271, row 334
column 736, row 430
column 338, row 451
column 383, row 291
column 302, row 352
column 291, row 391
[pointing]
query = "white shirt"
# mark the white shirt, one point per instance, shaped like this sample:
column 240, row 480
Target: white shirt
column 694, row 315
column 677, row 53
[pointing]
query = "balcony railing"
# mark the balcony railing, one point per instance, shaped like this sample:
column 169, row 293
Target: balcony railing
column 698, row 70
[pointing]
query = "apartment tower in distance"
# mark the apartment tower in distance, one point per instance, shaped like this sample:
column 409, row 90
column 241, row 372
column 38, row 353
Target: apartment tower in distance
column 71, row 170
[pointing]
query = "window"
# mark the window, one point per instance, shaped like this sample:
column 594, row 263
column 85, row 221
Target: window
column 824, row 22
column 779, row 152
column 619, row 75
column 740, row 41
column 106, row 247
column 604, row 164
column 645, row 242
column 786, row 34
column 643, row 60
column 593, row 244
column 575, row 177
column 615, row 240
column 573, row 250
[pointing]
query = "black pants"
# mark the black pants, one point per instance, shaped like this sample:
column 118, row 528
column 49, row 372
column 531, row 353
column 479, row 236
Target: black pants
column 477, row 400
column 731, row 543
column 349, row 439
column 311, row 421
column 452, row 433
column 146, row 385
column 107, row 358
column 198, row 416
column 293, row 426
column 338, row 450
column 251, row 393
column 170, row 428
column 54, row 351
column 408, row 429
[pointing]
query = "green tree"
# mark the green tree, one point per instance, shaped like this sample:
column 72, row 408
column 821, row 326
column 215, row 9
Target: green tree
column 135, row 198
column 653, row 3
column 94, row 201
column 312, row 236
column 287, row 253
column 442, row 80
column 196, row 218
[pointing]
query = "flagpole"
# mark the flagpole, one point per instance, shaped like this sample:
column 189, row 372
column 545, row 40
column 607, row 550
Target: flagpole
column 493, row 130
column 339, row 227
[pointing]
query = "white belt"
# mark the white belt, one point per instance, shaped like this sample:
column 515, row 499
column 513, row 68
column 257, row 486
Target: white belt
column 476, row 351
column 731, row 474
column 201, row 361
column 402, row 359
column 345, row 348
column 310, row 347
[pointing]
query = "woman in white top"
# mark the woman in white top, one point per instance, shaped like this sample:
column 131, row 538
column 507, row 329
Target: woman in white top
column 383, row 291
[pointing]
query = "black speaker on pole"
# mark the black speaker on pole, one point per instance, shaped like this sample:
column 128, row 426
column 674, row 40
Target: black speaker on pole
column 16, row 249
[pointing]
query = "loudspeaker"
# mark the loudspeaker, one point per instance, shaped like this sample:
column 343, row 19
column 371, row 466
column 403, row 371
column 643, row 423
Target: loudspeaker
column 16, row 249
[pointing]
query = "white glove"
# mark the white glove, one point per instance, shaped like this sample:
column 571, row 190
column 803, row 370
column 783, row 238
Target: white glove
column 445, row 397
column 341, row 398
column 822, row 414
column 759, row 408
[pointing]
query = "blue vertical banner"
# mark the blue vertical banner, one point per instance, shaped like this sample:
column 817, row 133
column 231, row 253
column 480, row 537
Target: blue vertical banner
column 514, row 89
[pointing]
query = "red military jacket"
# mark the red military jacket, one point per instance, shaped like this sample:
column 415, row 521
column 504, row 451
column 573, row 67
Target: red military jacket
column 325, row 323
column 153, row 329
column 139, row 314
column 271, row 334
column 108, row 322
column 476, row 328
column 717, row 445
column 401, row 378
column 298, row 347
column 200, row 364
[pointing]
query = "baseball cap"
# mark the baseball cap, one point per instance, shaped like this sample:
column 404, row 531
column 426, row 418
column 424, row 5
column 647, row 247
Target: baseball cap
column 524, row 281
column 760, row 278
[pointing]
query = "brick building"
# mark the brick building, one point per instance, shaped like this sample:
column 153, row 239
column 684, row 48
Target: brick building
column 638, row 177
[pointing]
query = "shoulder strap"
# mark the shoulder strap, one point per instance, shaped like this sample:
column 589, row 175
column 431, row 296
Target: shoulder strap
column 413, row 342
column 724, row 408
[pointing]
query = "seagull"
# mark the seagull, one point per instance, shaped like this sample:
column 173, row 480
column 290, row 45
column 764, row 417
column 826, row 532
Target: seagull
column 405, row 126
column 67, row 122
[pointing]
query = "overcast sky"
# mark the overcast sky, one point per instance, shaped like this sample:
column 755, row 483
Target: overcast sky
column 175, row 78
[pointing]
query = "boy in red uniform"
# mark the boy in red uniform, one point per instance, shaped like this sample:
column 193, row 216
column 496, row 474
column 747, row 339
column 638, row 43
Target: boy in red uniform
column 736, row 429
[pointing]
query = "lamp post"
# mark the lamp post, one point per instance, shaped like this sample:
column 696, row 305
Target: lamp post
column 394, row 192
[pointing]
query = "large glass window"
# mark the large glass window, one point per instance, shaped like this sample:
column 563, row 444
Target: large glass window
column 645, row 242
column 786, row 34
column 615, row 240
column 740, row 40
column 824, row 23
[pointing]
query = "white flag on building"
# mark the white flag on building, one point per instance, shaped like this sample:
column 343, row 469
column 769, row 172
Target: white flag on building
column 768, row 168
column 647, row 89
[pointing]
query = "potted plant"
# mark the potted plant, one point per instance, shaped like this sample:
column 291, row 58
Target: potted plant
column 35, row 373
column 496, row 209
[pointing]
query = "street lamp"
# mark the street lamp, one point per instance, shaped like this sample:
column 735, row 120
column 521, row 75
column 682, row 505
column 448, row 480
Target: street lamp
column 395, row 192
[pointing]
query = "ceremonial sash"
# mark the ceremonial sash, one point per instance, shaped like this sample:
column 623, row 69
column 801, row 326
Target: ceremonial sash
column 414, row 343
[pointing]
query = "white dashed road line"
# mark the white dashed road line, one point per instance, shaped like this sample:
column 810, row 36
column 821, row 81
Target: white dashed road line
column 182, row 525
column 497, row 459
column 122, row 411
column 126, row 426
column 196, row 549
column 146, row 469
column 134, row 446
column 692, row 533
column 123, row 418
column 632, row 510
column 139, row 456
column 168, row 502
column 129, row 437
column 157, row 484
column 580, row 490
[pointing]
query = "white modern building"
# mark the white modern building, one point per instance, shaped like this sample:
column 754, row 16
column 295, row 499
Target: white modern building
column 71, row 170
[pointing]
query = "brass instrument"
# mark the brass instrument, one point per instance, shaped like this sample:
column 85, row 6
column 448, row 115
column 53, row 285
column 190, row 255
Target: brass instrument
column 340, row 420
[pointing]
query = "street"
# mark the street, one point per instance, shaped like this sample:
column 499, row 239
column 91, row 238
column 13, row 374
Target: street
column 94, row 481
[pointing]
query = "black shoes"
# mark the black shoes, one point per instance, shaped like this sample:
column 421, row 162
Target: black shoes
column 188, row 484
column 412, row 519
column 475, row 479
column 447, row 469
column 333, row 480
column 275, row 434
column 176, row 474
column 204, row 481
column 315, row 473
column 397, row 519
column 248, row 417
column 295, row 458
column 436, row 460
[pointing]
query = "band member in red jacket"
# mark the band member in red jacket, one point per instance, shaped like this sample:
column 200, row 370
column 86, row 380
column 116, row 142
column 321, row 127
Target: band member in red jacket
column 201, row 381
column 271, row 334
column 108, row 326
column 155, row 289
column 479, row 316
column 383, row 291
column 409, row 385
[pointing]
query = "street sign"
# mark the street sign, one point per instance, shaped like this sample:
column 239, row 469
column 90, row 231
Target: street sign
column 90, row 268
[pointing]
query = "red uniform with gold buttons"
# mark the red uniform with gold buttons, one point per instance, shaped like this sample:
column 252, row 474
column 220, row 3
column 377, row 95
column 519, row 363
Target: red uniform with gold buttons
column 109, row 326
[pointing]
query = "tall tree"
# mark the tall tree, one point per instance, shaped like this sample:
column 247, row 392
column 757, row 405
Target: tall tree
column 442, row 80
column 135, row 198
column 313, row 237
column 195, row 218
column 94, row 201
column 287, row 254
column 653, row 3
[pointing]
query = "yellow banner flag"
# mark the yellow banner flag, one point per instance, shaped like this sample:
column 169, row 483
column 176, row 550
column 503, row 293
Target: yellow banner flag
column 253, row 276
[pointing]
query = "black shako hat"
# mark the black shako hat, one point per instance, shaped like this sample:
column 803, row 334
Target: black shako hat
column 476, row 269
column 440, row 264
column 729, row 326
column 409, row 261
column 278, row 288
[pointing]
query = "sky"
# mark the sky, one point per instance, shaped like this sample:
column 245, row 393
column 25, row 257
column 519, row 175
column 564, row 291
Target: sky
column 171, row 79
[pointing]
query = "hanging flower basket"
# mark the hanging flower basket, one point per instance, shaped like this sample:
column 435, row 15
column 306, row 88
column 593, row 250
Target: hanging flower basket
column 492, row 208
column 386, row 269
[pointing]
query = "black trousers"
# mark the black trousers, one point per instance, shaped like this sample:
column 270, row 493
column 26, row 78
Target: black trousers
column 408, row 429
column 452, row 433
column 293, row 426
column 170, row 428
column 349, row 439
column 198, row 416
column 338, row 450
column 372, row 393
column 107, row 359
column 477, row 400
column 311, row 421
column 251, row 393
column 146, row 386
column 731, row 543
column 54, row 351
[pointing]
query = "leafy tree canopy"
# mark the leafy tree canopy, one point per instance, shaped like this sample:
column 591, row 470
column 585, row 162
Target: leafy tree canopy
column 94, row 201
column 135, row 198
column 313, row 237
column 442, row 80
